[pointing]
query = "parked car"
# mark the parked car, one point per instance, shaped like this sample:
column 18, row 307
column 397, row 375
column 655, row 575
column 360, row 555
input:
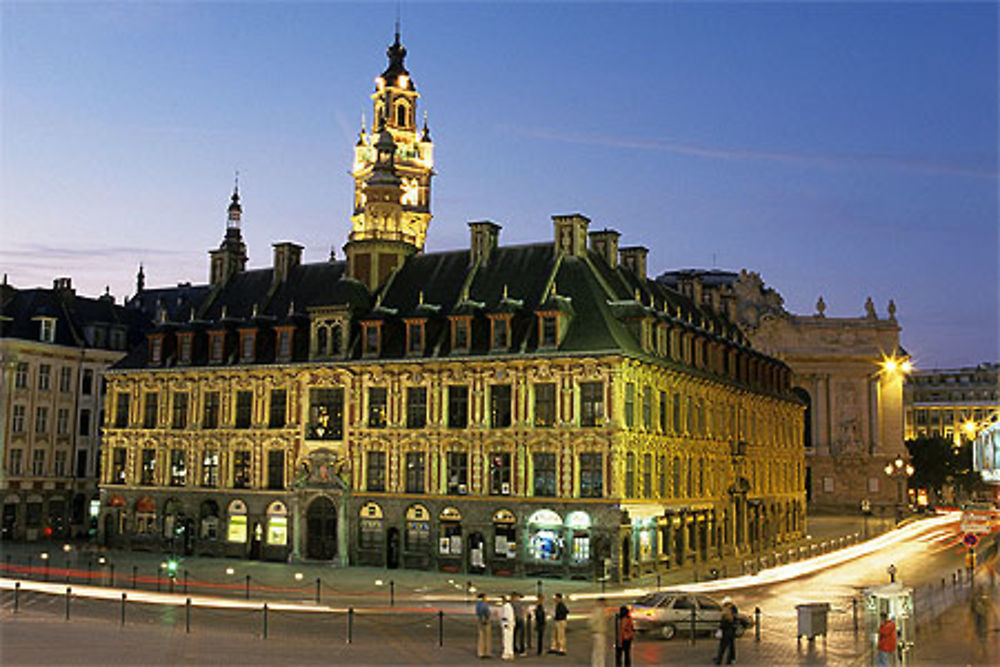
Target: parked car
column 667, row 613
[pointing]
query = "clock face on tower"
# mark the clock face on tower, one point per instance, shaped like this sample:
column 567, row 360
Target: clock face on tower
column 410, row 194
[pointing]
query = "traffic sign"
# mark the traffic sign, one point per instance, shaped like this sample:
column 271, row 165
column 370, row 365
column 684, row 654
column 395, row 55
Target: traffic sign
column 971, row 540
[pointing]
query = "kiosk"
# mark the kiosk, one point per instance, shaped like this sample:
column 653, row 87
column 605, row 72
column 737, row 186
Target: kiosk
column 895, row 600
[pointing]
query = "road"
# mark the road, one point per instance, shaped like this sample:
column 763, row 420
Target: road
column 409, row 633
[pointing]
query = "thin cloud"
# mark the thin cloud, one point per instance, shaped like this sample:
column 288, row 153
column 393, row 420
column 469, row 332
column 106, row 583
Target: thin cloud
column 27, row 253
column 728, row 153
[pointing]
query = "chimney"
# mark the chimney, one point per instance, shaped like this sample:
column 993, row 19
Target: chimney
column 605, row 244
column 287, row 256
column 634, row 259
column 64, row 286
column 571, row 234
column 484, row 239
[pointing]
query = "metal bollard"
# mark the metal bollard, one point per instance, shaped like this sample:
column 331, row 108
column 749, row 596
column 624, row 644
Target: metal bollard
column 538, row 587
column 265, row 620
column 17, row 594
column 248, row 587
column 392, row 593
column 68, row 562
column 527, row 632
column 111, row 568
column 187, row 616
column 692, row 626
column 69, row 594
column 90, row 566
column 657, row 581
column 756, row 623
column 854, row 612
column 440, row 628
column 350, row 625
column 318, row 584
column 123, row 609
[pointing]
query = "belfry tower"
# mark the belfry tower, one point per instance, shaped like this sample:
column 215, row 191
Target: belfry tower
column 231, row 255
column 392, row 170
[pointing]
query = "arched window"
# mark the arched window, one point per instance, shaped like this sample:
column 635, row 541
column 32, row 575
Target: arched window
column 336, row 339
column 401, row 114
column 277, row 523
column 321, row 341
column 237, row 530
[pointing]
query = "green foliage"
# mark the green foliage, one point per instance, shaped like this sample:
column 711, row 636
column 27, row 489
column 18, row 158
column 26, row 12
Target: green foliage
column 937, row 462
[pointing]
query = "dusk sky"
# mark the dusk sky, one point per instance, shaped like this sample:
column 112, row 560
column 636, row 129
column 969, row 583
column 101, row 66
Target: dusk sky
column 845, row 150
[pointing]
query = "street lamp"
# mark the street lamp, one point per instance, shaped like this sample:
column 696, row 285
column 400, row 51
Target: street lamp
column 899, row 470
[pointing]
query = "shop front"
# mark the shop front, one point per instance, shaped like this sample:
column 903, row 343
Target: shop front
column 546, row 544
column 276, row 536
column 503, row 556
column 417, row 538
column 581, row 552
column 450, row 540
column 371, row 536
column 236, row 529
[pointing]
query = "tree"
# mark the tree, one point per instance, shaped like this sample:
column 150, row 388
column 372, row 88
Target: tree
column 938, row 462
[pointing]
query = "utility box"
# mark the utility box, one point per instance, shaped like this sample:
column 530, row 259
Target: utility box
column 812, row 619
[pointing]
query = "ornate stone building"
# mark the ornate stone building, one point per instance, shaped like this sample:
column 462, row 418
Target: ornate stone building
column 849, row 372
column 955, row 403
column 533, row 409
column 54, row 347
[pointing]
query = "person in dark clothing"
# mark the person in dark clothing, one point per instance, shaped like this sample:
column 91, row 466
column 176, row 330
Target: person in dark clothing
column 559, row 617
column 727, row 638
column 624, row 634
column 519, row 615
column 540, row 622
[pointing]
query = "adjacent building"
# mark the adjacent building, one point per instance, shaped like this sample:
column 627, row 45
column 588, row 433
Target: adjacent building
column 954, row 403
column 54, row 348
column 533, row 409
column 848, row 372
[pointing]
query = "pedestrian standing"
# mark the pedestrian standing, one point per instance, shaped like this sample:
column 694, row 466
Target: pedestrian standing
column 624, row 634
column 559, row 618
column 483, row 645
column 886, row 641
column 599, row 630
column 540, row 622
column 507, row 629
column 519, row 614
column 727, row 634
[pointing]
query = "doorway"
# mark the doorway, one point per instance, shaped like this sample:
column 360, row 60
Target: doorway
column 627, row 556
column 321, row 530
column 392, row 548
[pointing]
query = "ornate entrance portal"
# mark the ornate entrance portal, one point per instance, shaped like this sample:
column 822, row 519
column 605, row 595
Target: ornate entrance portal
column 321, row 530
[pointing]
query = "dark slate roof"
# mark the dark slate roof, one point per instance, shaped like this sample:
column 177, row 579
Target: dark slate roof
column 76, row 317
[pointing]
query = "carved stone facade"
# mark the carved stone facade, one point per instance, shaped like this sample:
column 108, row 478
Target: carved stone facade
column 854, row 398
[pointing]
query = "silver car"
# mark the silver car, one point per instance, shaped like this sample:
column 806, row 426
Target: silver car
column 667, row 613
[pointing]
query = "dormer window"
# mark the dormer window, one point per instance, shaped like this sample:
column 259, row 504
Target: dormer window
column 217, row 345
column 284, row 344
column 414, row 337
column 117, row 339
column 156, row 349
column 328, row 337
column 185, row 344
column 548, row 330
column 372, row 338
column 500, row 333
column 248, row 345
column 47, row 329
column 460, row 334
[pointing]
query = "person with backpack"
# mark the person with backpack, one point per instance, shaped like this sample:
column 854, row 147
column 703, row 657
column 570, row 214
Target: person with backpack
column 624, row 634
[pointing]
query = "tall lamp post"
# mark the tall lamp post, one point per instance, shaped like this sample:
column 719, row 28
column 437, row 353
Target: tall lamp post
column 901, row 471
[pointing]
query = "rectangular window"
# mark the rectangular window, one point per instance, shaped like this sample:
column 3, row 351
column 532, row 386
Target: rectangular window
column 210, row 419
column 458, row 406
column 147, row 472
column 677, row 414
column 244, row 409
column 87, row 385
column 41, row 420
column 118, row 460
column 276, row 417
column 415, row 472
column 185, row 342
column 210, row 468
column 458, row 472
column 549, row 333
column 500, row 474
column 156, row 349
column 647, row 409
column 647, row 475
column 247, row 345
column 662, row 462
column 416, row 407
column 65, row 380
column 59, row 463
column 44, row 377
column 81, row 463
column 375, row 471
column 591, row 403
column 460, row 342
column 284, row 344
column 630, row 404
column 217, row 346
column 501, row 330
column 663, row 412
column 15, row 462
column 500, row 404
column 21, row 375
column 38, row 462
column 415, row 337
column 276, row 469
column 241, row 469
column 591, row 475
column 544, row 465
column 180, row 416
column 48, row 330
column 326, row 414
column 178, row 467
column 545, row 404
column 151, row 410
column 378, row 404
column 371, row 339
column 630, row 475
column 17, row 419
column 62, row 421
